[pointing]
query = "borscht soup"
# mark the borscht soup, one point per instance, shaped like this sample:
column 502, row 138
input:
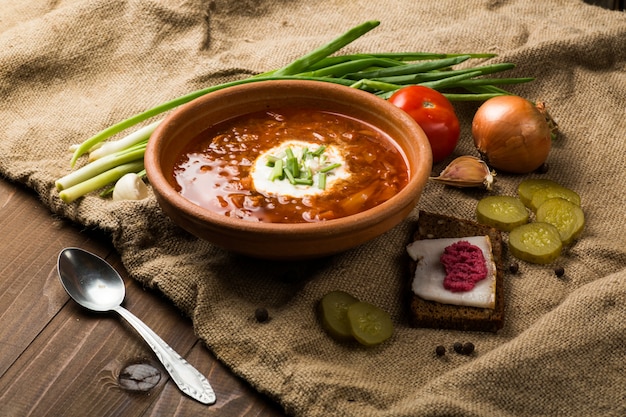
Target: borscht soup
column 290, row 165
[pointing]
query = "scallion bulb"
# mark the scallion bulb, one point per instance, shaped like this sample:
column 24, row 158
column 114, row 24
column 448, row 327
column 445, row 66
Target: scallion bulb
column 130, row 187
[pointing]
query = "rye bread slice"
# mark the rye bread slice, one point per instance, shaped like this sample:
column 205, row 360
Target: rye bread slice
column 431, row 314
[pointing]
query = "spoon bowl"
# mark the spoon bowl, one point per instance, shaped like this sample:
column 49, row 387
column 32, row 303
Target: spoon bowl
column 96, row 285
column 90, row 281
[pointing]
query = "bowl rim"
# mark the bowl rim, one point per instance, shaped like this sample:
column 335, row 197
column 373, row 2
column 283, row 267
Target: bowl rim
column 398, row 202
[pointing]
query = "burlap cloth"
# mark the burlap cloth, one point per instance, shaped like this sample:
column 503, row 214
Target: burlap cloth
column 71, row 67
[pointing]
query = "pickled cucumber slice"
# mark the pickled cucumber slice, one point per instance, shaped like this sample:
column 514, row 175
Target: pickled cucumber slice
column 369, row 324
column 333, row 314
column 502, row 212
column 540, row 196
column 527, row 188
column 566, row 216
column 536, row 242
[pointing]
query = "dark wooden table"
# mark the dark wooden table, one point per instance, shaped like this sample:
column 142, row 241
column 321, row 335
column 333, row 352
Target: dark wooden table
column 58, row 359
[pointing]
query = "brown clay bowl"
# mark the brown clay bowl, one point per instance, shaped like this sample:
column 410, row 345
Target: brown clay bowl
column 278, row 240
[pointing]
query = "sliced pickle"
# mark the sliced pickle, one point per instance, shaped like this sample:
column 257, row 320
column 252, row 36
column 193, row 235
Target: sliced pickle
column 540, row 196
column 370, row 325
column 502, row 212
column 333, row 314
column 527, row 188
column 536, row 242
column 566, row 216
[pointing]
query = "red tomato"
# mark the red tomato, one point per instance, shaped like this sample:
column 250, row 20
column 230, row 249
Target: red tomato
column 435, row 115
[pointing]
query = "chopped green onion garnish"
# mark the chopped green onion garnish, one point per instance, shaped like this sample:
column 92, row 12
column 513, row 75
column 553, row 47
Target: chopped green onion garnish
column 303, row 181
column 330, row 167
column 271, row 160
column 319, row 151
column 292, row 163
column 277, row 172
column 299, row 171
column 321, row 180
column 289, row 175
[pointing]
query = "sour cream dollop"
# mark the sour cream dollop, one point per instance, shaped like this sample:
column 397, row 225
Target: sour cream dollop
column 261, row 171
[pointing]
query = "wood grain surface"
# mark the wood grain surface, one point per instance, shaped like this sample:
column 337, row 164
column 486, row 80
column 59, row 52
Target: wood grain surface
column 58, row 359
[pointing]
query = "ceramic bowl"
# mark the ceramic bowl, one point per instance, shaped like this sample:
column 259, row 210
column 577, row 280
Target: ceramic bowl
column 278, row 240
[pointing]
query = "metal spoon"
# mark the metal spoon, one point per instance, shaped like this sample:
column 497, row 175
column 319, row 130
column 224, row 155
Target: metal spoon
column 96, row 285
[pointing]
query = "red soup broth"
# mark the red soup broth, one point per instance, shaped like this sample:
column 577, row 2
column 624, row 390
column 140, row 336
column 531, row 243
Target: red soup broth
column 214, row 171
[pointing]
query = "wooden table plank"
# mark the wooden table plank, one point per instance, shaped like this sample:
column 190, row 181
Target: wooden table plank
column 80, row 355
column 31, row 294
column 234, row 396
column 57, row 358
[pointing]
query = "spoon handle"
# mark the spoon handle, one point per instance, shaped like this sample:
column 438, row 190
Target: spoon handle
column 187, row 378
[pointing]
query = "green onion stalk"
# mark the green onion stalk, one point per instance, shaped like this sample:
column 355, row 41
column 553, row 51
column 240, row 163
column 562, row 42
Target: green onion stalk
column 378, row 73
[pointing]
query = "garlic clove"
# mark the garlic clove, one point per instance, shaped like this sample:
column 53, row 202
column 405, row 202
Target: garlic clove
column 130, row 187
column 467, row 171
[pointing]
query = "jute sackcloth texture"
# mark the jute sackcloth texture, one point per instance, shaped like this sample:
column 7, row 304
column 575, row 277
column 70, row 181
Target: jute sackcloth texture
column 70, row 68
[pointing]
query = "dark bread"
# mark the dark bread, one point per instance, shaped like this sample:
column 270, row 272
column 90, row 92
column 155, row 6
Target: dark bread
column 431, row 314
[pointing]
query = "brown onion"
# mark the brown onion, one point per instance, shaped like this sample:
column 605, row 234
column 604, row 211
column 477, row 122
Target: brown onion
column 511, row 134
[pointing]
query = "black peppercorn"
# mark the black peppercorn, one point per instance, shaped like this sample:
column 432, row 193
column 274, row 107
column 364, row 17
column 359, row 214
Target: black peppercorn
column 514, row 267
column 458, row 347
column 440, row 350
column 261, row 314
column 559, row 271
column 468, row 348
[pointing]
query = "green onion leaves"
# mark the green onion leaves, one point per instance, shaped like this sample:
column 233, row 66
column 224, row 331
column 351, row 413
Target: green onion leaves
column 380, row 73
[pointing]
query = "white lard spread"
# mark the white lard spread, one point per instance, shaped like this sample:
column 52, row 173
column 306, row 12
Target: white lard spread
column 430, row 273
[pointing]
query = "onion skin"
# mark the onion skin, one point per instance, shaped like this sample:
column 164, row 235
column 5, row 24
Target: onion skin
column 511, row 134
